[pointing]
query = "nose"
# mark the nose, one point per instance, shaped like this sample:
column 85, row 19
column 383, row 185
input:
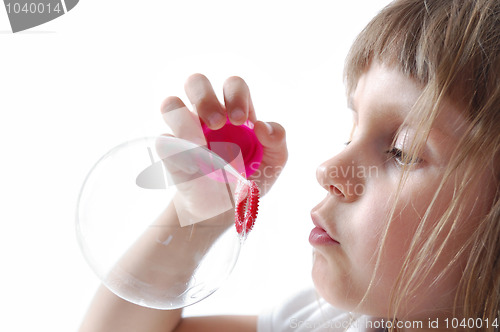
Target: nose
column 342, row 176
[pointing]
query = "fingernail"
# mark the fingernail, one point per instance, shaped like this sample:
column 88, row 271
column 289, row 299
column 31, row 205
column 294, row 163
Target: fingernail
column 269, row 128
column 237, row 114
column 214, row 119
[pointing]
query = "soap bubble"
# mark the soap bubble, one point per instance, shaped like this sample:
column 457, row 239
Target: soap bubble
column 156, row 219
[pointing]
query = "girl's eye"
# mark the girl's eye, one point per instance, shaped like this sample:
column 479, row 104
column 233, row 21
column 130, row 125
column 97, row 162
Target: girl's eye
column 401, row 158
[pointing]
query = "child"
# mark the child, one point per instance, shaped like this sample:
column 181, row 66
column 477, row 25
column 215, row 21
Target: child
column 408, row 235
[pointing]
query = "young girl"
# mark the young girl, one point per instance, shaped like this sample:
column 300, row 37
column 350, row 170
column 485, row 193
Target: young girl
column 408, row 235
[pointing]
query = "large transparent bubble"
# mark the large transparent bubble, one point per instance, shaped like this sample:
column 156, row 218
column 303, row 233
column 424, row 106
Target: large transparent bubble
column 156, row 219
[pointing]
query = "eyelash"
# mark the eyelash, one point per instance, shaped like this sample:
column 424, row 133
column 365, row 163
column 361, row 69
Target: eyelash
column 398, row 155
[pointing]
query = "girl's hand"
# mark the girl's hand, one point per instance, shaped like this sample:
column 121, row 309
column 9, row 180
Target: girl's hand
column 238, row 105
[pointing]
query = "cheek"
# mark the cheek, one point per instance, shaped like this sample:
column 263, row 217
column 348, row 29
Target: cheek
column 408, row 217
column 408, row 213
column 343, row 277
column 364, row 232
column 411, row 208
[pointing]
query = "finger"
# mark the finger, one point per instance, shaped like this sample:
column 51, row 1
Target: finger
column 251, row 111
column 273, row 138
column 237, row 100
column 202, row 96
column 184, row 123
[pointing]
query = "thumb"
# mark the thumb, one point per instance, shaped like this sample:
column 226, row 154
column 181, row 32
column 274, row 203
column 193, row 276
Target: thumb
column 273, row 138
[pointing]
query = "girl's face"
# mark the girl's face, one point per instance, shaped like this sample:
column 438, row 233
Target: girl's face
column 361, row 183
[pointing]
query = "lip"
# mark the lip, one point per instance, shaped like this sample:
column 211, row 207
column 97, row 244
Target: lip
column 319, row 236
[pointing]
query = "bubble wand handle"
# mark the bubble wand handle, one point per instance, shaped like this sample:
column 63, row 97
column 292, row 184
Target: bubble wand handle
column 247, row 192
column 243, row 136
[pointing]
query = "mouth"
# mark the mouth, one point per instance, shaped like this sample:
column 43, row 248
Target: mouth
column 319, row 236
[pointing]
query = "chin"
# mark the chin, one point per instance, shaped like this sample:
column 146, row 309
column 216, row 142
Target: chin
column 327, row 281
column 335, row 285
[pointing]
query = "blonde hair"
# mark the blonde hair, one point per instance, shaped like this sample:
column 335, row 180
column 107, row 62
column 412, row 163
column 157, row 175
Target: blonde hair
column 452, row 48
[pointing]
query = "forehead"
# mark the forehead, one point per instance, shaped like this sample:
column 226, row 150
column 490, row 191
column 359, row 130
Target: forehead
column 381, row 85
column 384, row 92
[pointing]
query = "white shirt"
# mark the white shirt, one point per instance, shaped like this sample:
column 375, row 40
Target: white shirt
column 306, row 311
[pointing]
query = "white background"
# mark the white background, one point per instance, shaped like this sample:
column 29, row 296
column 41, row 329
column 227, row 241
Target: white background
column 75, row 87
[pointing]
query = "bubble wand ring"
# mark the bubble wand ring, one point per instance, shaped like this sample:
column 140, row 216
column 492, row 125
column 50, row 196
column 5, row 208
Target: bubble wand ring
column 247, row 206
